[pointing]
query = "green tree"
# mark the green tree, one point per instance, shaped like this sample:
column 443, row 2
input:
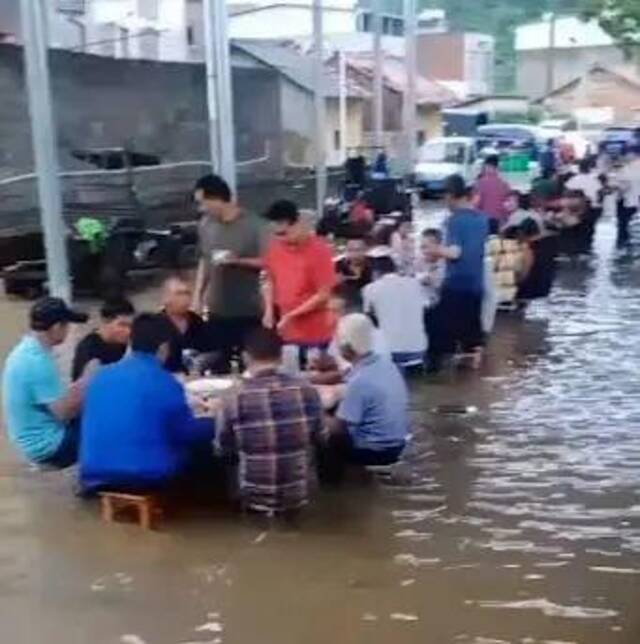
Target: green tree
column 619, row 18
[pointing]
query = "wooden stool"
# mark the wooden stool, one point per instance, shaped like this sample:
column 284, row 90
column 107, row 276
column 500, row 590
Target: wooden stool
column 147, row 508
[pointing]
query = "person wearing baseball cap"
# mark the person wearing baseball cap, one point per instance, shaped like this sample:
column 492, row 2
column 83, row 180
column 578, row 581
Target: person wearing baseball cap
column 41, row 412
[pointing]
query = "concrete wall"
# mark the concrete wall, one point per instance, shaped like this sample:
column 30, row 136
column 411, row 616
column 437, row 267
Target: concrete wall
column 441, row 56
column 569, row 64
column 155, row 108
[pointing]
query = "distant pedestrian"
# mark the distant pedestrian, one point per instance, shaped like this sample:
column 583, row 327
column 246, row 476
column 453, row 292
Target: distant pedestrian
column 629, row 186
column 548, row 160
column 490, row 193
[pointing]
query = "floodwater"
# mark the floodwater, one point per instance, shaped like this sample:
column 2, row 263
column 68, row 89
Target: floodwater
column 518, row 523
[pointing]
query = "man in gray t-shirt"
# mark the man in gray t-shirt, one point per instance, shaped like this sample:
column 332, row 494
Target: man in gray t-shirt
column 227, row 281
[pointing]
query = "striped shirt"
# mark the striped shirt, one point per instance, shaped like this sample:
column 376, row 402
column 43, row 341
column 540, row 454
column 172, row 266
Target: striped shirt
column 271, row 425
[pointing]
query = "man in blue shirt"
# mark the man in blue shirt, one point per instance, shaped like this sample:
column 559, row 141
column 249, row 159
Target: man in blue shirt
column 372, row 421
column 138, row 433
column 39, row 409
column 458, row 317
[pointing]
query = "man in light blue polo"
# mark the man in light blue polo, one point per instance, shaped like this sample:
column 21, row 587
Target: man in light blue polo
column 373, row 418
column 40, row 411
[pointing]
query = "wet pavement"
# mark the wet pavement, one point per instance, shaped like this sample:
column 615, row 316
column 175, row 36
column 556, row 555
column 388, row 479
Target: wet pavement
column 516, row 523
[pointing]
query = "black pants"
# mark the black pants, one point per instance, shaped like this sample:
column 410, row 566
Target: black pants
column 455, row 324
column 67, row 453
column 624, row 216
column 228, row 336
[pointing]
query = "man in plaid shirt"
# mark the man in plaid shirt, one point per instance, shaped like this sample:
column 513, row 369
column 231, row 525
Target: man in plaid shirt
column 271, row 425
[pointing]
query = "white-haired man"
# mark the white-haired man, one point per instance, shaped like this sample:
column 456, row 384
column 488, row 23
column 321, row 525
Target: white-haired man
column 372, row 421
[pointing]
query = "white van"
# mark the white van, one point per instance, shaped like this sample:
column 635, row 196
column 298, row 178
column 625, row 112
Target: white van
column 442, row 157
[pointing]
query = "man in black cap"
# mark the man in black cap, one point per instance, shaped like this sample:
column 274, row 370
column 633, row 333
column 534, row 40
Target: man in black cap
column 39, row 409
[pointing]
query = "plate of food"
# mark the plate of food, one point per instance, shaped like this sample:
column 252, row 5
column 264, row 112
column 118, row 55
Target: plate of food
column 209, row 386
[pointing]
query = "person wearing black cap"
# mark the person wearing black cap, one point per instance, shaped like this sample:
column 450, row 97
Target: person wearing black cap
column 39, row 409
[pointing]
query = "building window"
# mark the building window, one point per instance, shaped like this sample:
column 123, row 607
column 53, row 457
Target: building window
column 191, row 39
column 367, row 22
column 337, row 140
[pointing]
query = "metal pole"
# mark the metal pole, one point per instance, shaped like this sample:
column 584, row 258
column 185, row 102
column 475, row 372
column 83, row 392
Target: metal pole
column 342, row 74
column 212, row 99
column 320, row 109
column 34, row 34
column 409, row 102
column 219, row 90
column 551, row 54
column 378, row 64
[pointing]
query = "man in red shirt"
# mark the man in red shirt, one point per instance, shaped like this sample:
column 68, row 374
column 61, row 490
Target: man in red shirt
column 491, row 192
column 300, row 278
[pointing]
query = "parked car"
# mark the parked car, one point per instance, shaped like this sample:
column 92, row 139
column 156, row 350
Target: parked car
column 442, row 157
column 618, row 141
column 510, row 137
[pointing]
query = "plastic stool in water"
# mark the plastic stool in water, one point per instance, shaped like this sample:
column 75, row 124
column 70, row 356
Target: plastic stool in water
column 146, row 507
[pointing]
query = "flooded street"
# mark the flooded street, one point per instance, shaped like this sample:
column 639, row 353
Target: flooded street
column 515, row 523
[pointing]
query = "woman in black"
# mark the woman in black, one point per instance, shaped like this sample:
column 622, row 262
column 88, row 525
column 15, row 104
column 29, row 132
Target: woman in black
column 539, row 270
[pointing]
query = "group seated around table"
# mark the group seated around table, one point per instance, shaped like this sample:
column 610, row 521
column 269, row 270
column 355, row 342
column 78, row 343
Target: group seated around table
column 133, row 429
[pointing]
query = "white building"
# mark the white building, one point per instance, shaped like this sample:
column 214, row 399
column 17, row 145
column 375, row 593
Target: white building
column 147, row 29
column 573, row 45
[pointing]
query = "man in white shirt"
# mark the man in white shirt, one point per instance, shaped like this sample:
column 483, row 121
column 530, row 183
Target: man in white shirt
column 629, row 187
column 397, row 303
column 588, row 182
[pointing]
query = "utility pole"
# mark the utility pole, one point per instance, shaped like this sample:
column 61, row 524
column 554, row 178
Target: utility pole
column 219, row 90
column 551, row 54
column 409, row 99
column 378, row 64
column 344, row 92
column 34, row 35
column 320, row 143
